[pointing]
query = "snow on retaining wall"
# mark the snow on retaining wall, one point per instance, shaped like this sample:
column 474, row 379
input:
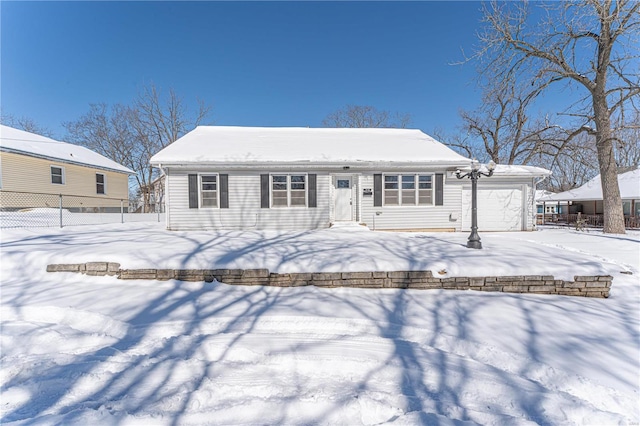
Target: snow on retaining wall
column 589, row 286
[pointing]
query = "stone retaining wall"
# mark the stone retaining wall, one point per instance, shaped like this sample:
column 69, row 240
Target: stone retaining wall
column 589, row 286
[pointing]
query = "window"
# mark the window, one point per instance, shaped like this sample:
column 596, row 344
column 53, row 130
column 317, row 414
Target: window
column 391, row 191
column 101, row 181
column 425, row 190
column 288, row 190
column 57, row 175
column 408, row 190
column 209, row 191
column 343, row 183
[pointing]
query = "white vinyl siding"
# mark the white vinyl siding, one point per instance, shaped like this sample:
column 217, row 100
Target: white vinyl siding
column 413, row 216
column 244, row 210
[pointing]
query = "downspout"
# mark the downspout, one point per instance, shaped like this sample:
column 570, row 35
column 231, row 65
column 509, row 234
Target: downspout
column 533, row 202
column 166, row 196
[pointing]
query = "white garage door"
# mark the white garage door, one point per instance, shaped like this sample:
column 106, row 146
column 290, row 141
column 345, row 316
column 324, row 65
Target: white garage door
column 499, row 209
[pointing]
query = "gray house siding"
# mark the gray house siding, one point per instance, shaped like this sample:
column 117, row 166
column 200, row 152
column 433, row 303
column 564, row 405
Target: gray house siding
column 504, row 203
column 433, row 217
column 244, row 205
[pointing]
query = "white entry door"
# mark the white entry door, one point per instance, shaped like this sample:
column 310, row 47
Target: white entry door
column 342, row 198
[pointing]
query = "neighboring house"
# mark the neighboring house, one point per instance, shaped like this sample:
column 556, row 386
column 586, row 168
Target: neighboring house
column 587, row 199
column 301, row 178
column 34, row 168
column 546, row 208
column 156, row 197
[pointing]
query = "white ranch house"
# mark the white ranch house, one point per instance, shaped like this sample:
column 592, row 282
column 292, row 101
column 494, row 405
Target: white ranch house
column 220, row 177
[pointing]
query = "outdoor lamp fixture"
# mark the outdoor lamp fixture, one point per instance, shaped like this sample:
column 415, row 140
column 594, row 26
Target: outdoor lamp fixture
column 474, row 175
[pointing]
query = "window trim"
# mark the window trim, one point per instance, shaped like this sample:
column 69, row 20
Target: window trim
column 416, row 189
column 62, row 175
column 288, row 175
column 200, row 203
column 104, row 183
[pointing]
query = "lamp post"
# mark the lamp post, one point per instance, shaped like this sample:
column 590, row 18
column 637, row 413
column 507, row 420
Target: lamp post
column 474, row 175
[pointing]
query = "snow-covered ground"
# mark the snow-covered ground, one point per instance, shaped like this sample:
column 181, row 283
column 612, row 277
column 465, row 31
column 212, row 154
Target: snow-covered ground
column 95, row 350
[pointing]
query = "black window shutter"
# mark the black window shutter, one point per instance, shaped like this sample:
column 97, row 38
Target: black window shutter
column 193, row 191
column 313, row 197
column 224, row 191
column 377, row 190
column 439, row 190
column 264, row 191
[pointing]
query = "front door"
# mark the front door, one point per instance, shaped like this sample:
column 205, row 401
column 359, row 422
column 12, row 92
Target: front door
column 342, row 198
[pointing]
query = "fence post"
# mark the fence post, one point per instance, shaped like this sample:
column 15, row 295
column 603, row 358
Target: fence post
column 60, row 210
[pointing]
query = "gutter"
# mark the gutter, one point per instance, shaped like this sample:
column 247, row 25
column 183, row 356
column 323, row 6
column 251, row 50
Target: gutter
column 343, row 165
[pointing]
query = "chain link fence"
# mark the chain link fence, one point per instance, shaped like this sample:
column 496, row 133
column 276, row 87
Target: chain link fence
column 31, row 209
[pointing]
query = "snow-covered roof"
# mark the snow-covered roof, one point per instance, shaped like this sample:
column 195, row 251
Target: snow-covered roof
column 295, row 145
column 540, row 193
column 27, row 143
column 503, row 170
column 628, row 182
column 524, row 171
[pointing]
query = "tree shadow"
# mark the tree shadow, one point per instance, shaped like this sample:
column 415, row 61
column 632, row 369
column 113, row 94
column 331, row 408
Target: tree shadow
column 436, row 338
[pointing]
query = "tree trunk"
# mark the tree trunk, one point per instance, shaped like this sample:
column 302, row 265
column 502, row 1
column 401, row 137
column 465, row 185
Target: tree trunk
column 613, row 213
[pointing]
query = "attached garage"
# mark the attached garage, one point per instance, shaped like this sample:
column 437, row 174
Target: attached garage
column 505, row 200
column 499, row 208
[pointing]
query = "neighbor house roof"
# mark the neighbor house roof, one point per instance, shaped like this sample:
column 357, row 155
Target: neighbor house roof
column 302, row 145
column 628, row 182
column 34, row 145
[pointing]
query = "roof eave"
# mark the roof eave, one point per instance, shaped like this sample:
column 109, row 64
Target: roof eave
column 345, row 165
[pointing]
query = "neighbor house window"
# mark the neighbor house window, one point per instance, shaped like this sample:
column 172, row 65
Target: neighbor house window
column 209, row 191
column 408, row 190
column 57, row 175
column 288, row 190
column 101, row 182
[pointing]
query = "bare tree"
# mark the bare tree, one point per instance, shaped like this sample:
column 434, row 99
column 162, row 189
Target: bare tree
column 157, row 123
column 587, row 43
column 106, row 130
column 503, row 129
column 628, row 143
column 572, row 166
column 25, row 123
column 366, row 116
column 459, row 141
column 131, row 135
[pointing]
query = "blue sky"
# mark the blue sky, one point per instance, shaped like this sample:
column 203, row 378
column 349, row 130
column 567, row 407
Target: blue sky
column 256, row 63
